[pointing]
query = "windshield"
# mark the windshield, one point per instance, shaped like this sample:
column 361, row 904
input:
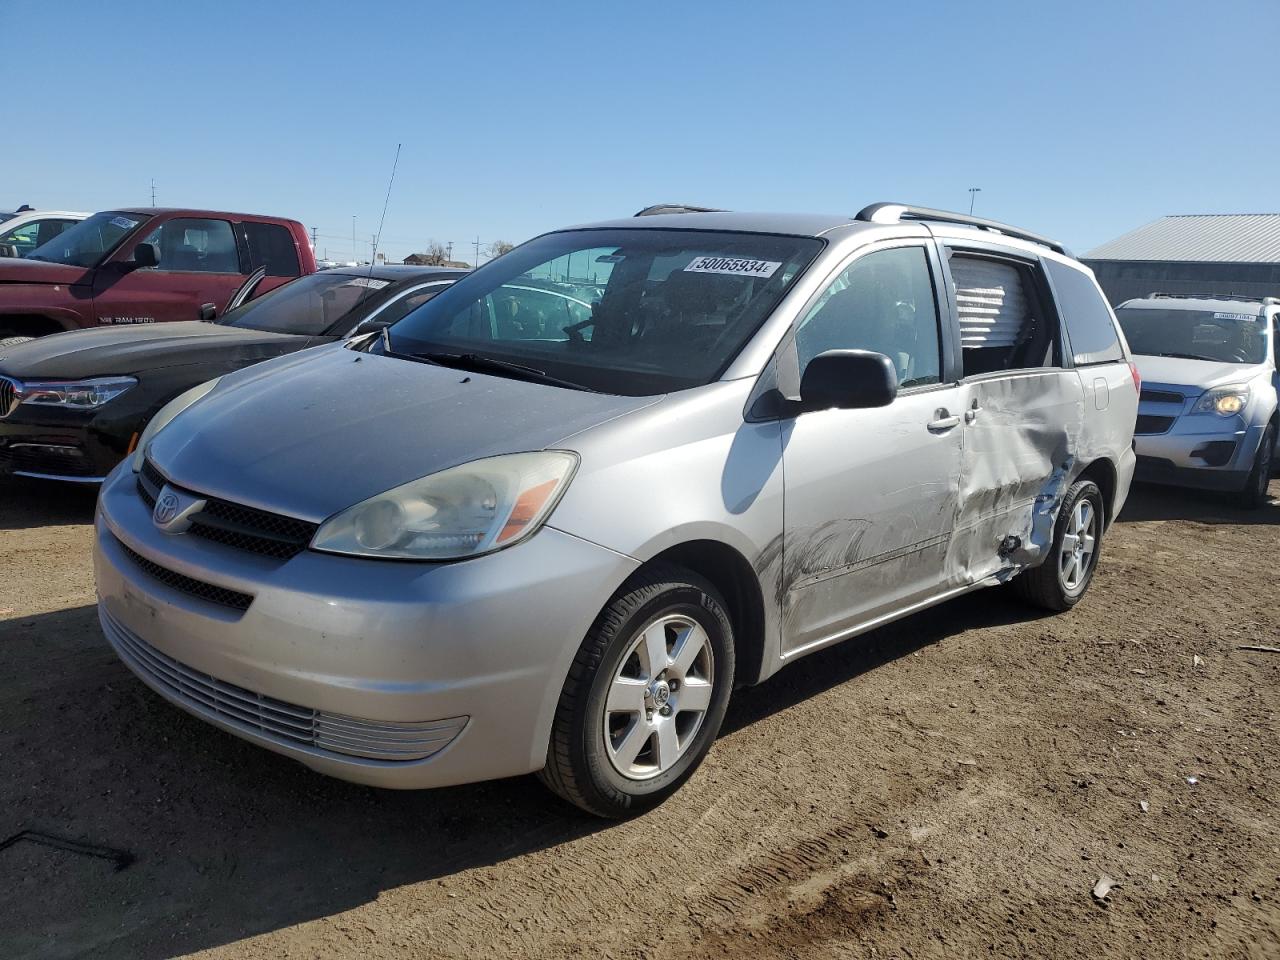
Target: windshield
column 308, row 306
column 87, row 243
column 1224, row 336
column 631, row 311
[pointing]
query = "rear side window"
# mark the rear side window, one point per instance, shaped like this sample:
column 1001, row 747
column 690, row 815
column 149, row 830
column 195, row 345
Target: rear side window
column 1004, row 321
column 271, row 246
column 1089, row 328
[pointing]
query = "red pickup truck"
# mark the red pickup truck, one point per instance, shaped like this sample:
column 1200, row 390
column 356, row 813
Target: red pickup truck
column 146, row 265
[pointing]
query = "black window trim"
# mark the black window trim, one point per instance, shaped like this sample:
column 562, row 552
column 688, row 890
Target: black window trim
column 1064, row 359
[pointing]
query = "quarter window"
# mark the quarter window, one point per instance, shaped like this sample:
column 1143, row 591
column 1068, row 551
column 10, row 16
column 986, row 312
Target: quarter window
column 195, row 245
column 1089, row 327
column 883, row 302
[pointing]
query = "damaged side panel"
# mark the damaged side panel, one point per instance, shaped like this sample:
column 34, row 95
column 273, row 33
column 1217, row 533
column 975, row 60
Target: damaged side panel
column 1020, row 451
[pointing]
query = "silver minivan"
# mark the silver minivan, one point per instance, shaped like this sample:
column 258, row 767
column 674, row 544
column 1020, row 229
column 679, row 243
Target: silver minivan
column 551, row 519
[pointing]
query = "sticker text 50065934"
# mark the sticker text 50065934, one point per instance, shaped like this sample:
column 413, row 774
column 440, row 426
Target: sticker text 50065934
column 739, row 266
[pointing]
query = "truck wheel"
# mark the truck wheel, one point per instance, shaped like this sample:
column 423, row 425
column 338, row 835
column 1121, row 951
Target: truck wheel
column 645, row 695
column 1254, row 494
column 1064, row 576
column 11, row 341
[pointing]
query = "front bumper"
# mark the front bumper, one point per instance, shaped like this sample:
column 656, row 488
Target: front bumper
column 468, row 658
column 80, row 446
column 1195, row 450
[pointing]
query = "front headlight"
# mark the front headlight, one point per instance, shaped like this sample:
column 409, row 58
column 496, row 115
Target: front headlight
column 164, row 416
column 78, row 394
column 1224, row 401
column 464, row 511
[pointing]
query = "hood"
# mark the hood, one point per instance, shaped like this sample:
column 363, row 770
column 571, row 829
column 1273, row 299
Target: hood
column 314, row 433
column 105, row 351
column 22, row 270
column 1200, row 374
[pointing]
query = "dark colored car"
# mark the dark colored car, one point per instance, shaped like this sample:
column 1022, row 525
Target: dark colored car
column 146, row 265
column 72, row 405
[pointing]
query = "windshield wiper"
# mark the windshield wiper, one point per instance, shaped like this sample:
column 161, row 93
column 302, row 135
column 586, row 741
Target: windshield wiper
column 473, row 361
column 1184, row 356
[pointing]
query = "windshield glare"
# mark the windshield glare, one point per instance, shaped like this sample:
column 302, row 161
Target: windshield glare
column 1223, row 336
column 87, row 243
column 630, row 311
column 308, row 306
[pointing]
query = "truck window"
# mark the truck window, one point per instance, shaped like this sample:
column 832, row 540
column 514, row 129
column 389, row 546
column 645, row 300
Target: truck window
column 1089, row 328
column 271, row 246
column 196, row 245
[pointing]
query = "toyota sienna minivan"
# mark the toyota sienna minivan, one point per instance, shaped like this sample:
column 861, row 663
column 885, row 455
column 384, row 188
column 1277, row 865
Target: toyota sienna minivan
column 551, row 519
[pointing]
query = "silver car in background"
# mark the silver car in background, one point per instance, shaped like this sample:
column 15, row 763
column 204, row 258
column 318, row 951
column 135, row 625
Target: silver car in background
column 1208, row 414
column 525, row 529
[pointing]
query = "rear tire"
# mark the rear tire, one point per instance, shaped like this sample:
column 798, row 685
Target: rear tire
column 645, row 695
column 1064, row 576
column 1254, row 494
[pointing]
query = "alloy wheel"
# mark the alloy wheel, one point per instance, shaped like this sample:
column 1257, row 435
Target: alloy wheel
column 1078, row 545
column 658, row 697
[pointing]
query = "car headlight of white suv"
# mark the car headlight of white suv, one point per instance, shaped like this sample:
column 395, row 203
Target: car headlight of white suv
column 465, row 511
column 1224, row 401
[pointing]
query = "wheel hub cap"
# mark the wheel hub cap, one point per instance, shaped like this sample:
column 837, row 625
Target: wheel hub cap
column 661, row 693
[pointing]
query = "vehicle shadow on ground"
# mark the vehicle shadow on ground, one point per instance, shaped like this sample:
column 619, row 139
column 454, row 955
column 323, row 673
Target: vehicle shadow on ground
column 232, row 841
column 27, row 504
column 1152, row 502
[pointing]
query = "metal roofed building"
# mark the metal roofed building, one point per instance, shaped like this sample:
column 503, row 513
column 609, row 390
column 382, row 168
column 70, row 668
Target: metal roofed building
column 1220, row 253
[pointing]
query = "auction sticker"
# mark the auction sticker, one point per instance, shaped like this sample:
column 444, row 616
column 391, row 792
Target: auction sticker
column 124, row 223
column 369, row 282
column 1235, row 316
column 738, row 266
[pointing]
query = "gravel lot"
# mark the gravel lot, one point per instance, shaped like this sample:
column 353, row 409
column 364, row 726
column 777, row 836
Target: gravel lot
column 954, row 785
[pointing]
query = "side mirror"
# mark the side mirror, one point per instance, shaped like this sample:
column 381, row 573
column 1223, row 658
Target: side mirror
column 372, row 325
column 208, row 311
column 848, row 380
column 146, row 255
column 8, row 250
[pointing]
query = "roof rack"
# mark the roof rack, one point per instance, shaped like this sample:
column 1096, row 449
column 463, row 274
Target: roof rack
column 1265, row 301
column 897, row 212
column 660, row 208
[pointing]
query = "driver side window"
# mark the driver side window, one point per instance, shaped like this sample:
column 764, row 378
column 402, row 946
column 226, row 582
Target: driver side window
column 883, row 302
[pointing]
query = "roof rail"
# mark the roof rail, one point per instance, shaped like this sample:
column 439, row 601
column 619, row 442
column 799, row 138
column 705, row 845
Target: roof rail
column 1266, row 301
column 897, row 212
column 660, row 208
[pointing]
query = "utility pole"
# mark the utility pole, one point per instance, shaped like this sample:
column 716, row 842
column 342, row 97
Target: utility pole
column 449, row 247
column 973, row 195
column 373, row 247
column 313, row 239
column 477, row 263
column 153, row 191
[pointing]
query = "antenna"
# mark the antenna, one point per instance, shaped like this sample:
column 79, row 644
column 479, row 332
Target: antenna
column 378, row 236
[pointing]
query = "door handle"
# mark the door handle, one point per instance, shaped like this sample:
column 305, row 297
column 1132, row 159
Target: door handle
column 971, row 414
column 943, row 423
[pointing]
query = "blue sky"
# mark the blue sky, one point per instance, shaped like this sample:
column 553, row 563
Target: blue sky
column 1079, row 120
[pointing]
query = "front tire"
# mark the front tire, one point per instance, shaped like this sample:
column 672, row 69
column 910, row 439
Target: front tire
column 1064, row 576
column 645, row 695
column 1254, row 494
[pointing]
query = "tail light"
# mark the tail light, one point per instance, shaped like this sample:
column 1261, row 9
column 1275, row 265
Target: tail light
column 1137, row 377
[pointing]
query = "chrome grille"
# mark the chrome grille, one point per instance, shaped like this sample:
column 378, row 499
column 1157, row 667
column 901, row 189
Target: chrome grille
column 8, row 396
column 287, row 723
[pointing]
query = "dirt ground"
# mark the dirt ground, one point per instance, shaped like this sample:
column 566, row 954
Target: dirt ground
column 951, row 786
